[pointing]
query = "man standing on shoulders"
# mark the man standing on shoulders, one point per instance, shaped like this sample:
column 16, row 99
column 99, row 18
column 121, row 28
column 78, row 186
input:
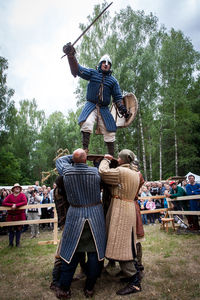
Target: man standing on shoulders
column 84, row 229
column 193, row 188
column 101, row 87
column 121, row 216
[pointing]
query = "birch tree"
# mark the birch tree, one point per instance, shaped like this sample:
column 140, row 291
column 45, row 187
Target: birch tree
column 178, row 62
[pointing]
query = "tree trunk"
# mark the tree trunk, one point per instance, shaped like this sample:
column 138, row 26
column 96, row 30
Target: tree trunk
column 161, row 151
column 143, row 147
column 138, row 140
column 150, row 158
column 175, row 142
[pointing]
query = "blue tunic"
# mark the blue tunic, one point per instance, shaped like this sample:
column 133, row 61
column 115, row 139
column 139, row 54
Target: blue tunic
column 110, row 88
column 193, row 189
column 82, row 185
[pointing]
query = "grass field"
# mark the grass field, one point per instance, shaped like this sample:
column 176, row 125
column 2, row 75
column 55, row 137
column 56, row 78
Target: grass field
column 171, row 261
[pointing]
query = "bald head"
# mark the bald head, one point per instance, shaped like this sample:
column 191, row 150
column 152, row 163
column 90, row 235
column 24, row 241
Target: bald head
column 79, row 156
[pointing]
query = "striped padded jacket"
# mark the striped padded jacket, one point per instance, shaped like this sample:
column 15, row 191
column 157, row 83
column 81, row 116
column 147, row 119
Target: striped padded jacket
column 82, row 185
column 110, row 88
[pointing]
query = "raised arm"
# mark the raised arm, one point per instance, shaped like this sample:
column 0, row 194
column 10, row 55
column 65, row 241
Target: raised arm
column 70, row 51
column 109, row 175
column 62, row 162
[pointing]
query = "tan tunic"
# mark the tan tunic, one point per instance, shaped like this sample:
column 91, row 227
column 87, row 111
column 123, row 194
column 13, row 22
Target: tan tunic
column 121, row 216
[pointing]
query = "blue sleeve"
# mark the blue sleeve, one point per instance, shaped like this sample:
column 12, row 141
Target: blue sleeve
column 189, row 190
column 62, row 162
column 116, row 92
column 84, row 73
column 197, row 190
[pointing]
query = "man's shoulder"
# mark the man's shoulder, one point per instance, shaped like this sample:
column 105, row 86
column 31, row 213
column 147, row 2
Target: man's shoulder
column 193, row 186
column 93, row 169
column 112, row 78
column 80, row 167
column 180, row 188
column 188, row 186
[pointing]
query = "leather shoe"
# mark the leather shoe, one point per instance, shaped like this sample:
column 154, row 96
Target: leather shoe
column 79, row 276
column 88, row 294
column 53, row 286
column 61, row 294
column 129, row 289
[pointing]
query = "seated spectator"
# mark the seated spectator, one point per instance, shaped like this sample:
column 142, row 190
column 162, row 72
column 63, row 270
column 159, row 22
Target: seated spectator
column 193, row 188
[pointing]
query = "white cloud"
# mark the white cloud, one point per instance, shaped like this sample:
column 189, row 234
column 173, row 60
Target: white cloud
column 32, row 33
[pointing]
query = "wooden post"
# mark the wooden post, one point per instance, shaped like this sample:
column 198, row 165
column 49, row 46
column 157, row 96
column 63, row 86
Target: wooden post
column 55, row 228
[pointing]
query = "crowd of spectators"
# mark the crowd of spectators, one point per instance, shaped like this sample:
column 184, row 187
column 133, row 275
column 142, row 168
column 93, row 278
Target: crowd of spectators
column 170, row 190
column 35, row 194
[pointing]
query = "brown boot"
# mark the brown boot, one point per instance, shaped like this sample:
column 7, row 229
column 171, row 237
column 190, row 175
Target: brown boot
column 111, row 148
column 85, row 140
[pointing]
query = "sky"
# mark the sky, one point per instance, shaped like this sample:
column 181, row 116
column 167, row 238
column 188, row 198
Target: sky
column 33, row 32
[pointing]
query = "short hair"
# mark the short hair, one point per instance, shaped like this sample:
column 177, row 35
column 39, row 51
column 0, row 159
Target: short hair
column 79, row 156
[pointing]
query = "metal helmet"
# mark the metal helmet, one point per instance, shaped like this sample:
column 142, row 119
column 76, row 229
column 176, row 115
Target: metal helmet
column 106, row 58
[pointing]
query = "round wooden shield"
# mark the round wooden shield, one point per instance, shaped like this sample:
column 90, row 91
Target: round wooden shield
column 131, row 103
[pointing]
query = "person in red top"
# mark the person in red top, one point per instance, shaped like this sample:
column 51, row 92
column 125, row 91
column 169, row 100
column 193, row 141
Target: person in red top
column 15, row 200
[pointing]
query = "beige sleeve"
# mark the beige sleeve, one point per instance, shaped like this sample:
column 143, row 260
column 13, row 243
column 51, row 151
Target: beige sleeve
column 109, row 176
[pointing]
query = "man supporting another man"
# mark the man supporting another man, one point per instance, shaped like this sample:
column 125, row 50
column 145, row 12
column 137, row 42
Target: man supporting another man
column 85, row 225
column 121, row 216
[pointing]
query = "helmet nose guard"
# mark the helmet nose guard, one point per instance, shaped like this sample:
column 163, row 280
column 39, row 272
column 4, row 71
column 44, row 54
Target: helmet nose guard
column 106, row 58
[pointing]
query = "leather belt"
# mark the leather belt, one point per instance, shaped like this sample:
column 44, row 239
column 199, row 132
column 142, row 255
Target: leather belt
column 86, row 205
column 124, row 199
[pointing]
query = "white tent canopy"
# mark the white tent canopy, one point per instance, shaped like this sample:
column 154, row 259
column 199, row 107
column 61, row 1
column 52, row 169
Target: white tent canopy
column 9, row 187
column 197, row 177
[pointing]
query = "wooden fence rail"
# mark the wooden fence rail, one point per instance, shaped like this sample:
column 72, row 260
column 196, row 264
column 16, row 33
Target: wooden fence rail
column 53, row 220
column 170, row 208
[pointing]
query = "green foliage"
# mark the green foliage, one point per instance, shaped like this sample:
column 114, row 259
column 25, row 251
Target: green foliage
column 158, row 67
column 161, row 68
column 7, row 110
column 10, row 172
